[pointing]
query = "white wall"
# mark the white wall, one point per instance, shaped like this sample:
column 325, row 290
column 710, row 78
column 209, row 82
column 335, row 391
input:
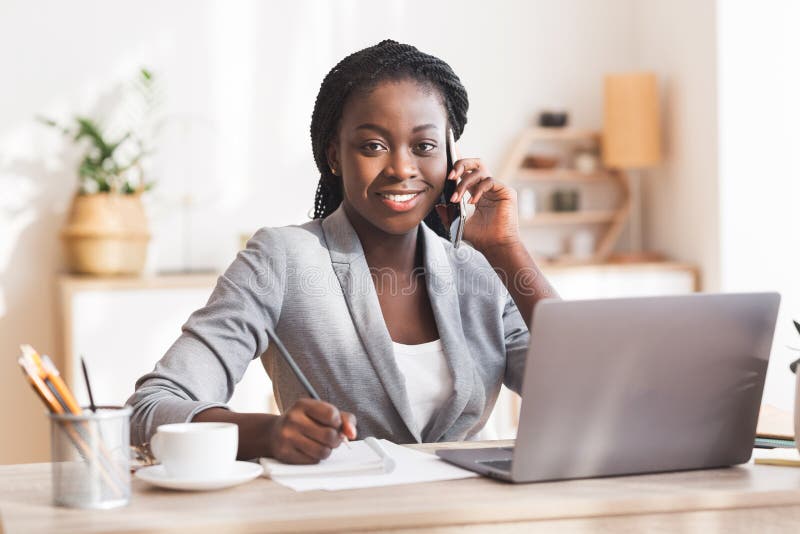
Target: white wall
column 725, row 197
column 759, row 112
column 241, row 79
column 677, row 40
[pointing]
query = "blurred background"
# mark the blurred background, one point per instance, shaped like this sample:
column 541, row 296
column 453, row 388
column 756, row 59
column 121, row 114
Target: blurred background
column 700, row 99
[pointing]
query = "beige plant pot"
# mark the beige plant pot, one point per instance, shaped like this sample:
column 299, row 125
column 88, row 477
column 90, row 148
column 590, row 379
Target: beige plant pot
column 106, row 233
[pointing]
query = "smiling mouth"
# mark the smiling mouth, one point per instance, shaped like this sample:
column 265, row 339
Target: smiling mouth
column 400, row 202
column 405, row 197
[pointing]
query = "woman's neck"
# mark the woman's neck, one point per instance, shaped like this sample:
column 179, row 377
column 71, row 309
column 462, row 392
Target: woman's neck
column 383, row 250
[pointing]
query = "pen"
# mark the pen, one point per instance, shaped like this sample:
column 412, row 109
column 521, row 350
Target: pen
column 46, row 381
column 88, row 385
column 54, row 404
column 297, row 372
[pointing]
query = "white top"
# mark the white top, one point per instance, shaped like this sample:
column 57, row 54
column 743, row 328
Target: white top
column 427, row 378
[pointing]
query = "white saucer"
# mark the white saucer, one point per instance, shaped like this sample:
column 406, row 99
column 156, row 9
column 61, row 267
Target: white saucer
column 241, row 472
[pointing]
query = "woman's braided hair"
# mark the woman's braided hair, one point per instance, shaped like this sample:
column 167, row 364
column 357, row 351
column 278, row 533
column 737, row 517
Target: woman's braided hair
column 362, row 71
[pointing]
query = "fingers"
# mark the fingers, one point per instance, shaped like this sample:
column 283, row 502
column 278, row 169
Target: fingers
column 311, row 448
column 300, row 459
column 349, row 425
column 487, row 184
column 293, row 455
column 322, row 434
column 321, row 412
column 472, row 172
column 298, row 456
column 470, row 183
column 291, row 446
column 310, row 430
column 463, row 166
column 297, row 440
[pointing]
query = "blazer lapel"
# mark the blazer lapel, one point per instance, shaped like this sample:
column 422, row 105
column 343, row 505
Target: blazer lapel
column 443, row 293
column 350, row 265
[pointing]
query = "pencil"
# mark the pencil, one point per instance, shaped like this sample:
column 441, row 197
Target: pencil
column 57, row 395
column 55, row 377
column 47, row 393
column 297, row 372
column 40, row 388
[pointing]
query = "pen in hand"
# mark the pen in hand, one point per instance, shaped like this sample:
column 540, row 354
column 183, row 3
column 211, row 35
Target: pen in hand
column 300, row 376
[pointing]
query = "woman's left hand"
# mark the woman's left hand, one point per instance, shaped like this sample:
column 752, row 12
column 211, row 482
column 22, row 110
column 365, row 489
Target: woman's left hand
column 494, row 221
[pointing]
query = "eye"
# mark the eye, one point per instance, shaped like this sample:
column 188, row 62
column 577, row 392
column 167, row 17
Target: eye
column 426, row 147
column 373, row 146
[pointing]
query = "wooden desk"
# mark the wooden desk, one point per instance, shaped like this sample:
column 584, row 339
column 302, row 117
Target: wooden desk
column 747, row 498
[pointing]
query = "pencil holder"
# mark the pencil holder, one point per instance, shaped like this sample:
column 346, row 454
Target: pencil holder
column 90, row 458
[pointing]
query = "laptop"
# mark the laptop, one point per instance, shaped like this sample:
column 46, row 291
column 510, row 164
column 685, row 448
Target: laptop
column 636, row 385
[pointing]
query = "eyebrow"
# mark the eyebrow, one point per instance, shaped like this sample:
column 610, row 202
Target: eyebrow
column 384, row 132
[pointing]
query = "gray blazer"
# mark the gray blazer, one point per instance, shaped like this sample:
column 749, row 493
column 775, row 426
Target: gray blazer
column 312, row 284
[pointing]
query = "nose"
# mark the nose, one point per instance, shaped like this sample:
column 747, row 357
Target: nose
column 402, row 166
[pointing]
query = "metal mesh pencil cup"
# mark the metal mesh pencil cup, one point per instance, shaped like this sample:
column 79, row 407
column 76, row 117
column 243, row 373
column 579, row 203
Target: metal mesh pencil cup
column 91, row 458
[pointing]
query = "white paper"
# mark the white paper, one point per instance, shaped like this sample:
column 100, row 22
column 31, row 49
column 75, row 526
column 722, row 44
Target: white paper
column 358, row 457
column 410, row 467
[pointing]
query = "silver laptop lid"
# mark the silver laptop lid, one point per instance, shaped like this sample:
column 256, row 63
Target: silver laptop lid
column 643, row 384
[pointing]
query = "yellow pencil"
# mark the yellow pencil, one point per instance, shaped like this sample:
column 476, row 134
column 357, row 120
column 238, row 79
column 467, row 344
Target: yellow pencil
column 48, row 372
column 29, row 368
column 40, row 388
column 55, row 377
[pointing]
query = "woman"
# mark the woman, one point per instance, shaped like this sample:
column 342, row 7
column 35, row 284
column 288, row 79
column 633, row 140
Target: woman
column 389, row 322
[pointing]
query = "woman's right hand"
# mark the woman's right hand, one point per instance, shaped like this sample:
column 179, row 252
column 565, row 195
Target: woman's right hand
column 309, row 431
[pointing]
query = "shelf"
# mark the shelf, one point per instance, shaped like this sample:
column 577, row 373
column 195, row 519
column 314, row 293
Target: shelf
column 561, row 263
column 570, row 217
column 564, row 134
column 561, row 175
column 607, row 221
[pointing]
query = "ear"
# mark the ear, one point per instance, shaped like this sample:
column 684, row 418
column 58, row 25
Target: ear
column 332, row 154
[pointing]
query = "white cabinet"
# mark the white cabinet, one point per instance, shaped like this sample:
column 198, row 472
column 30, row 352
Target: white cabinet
column 122, row 326
column 613, row 280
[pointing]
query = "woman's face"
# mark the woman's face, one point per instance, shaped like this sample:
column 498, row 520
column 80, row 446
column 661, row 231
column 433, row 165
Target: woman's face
column 391, row 154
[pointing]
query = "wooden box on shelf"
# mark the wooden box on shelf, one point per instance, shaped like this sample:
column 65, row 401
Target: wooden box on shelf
column 530, row 165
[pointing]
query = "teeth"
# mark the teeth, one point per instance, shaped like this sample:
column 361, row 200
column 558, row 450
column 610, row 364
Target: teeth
column 399, row 198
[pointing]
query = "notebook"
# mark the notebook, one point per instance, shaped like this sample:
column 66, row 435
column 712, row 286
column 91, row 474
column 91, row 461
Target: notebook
column 785, row 457
column 363, row 466
column 360, row 457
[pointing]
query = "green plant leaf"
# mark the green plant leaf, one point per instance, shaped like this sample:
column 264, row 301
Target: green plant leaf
column 52, row 124
column 89, row 129
column 45, row 120
column 98, row 163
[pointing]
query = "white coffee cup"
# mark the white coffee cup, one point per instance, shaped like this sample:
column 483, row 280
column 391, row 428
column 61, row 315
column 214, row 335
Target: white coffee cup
column 198, row 451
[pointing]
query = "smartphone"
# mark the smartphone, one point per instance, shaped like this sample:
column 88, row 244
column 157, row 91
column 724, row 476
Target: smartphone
column 456, row 211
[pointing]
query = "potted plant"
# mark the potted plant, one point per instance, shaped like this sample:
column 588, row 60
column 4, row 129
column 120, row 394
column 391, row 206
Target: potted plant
column 106, row 230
